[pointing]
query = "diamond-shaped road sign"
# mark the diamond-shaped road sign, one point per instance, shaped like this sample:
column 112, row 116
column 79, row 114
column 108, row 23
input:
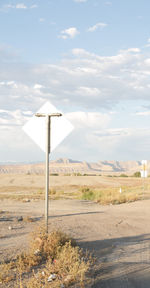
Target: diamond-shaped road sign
column 60, row 127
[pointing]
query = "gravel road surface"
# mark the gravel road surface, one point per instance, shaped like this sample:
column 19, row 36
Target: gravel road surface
column 119, row 236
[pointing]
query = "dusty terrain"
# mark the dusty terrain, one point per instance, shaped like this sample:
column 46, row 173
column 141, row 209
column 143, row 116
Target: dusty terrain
column 63, row 166
column 18, row 183
column 118, row 235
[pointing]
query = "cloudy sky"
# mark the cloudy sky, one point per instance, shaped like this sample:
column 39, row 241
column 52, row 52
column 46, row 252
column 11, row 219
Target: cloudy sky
column 91, row 60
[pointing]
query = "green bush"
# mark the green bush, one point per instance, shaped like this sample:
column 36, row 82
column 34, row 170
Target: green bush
column 123, row 175
column 87, row 194
column 137, row 174
column 54, row 174
column 77, row 174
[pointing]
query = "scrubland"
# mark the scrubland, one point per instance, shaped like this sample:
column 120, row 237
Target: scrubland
column 87, row 210
column 52, row 260
column 101, row 189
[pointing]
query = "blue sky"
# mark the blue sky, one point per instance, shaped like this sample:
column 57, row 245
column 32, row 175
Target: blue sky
column 90, row 59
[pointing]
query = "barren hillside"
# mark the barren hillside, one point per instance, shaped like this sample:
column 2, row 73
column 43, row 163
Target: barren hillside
column 64, row 166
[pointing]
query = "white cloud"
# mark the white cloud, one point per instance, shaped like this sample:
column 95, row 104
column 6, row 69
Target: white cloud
column 71, row 32
column 108, row 3
column 80, row 1
column 148, row 43
column 104, row 143
column 88, row 84
column 85, row 79
column 9, row 6
column 38, row 86
column 33, row 6
column 121, row 142
column 96, row 26
column 145, row 113
column 92, row 120
column 86, row 91
column 28, row 113
column 42, row 19
column 80, row 52
column 13, row 117
column 131, row 50
column 21, row 6
column 8, row 54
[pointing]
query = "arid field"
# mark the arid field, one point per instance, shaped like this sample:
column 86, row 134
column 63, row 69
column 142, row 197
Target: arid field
column 82, row 206
column 19, row 186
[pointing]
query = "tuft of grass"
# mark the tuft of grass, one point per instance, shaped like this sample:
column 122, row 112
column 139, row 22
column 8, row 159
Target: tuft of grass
column 68, row 267
column 28, row 219
column 77, row 174
column 54, row 254
column 87, row 194
column 123, row 175
column 52, row 192
column 110, row 196
column 6, row 272
column 117, row 199
column 54, row 174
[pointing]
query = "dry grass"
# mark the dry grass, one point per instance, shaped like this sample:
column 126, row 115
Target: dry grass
column 117, row 198
column 112, row 195
column 104, row 190
column 53, row 255
column 68, row 267
column 29, row 219
column 7, row 272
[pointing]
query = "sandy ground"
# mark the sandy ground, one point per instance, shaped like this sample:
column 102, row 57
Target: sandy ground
column 119, row 236
column 38, row 181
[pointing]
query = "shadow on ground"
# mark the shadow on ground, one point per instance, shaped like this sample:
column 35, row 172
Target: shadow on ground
column 122, row 262
column 75, row 214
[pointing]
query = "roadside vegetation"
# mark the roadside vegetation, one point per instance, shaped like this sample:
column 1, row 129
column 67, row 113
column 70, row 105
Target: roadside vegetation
column 111, row 196
column 52, row 260
column 103, row 196
column 107, row 189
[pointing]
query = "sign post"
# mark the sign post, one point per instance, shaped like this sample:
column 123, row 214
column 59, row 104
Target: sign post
column 56, row 131
column 48, row 150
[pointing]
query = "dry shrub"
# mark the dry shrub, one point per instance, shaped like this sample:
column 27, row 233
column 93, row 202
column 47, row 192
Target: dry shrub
column 28, row 219
column 117, row 198
column 110, row 196
column 54, row 253
column 42, row 246
column 52, row 192
column 87, row 194
column 69, row 267
column 69, row 263
column 48, row 243
column 6, row 274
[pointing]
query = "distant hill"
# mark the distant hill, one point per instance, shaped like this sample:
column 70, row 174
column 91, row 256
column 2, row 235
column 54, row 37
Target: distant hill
column 64, row 166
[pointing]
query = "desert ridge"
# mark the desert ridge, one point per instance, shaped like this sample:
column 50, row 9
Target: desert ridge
column 69, row 166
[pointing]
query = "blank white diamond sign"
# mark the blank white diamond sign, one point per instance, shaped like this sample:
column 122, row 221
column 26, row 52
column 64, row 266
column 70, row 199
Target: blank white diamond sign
column 36, row 127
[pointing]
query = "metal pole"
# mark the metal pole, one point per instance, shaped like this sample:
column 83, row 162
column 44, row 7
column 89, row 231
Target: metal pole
column 48, row 148
column 47, row 170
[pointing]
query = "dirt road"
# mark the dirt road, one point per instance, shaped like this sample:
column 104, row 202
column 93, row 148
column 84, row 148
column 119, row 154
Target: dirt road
column 119, row 236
